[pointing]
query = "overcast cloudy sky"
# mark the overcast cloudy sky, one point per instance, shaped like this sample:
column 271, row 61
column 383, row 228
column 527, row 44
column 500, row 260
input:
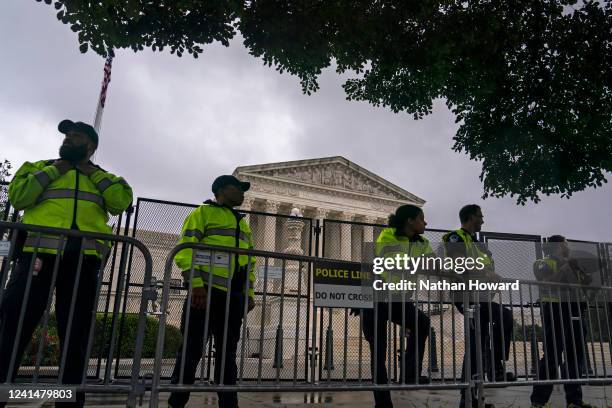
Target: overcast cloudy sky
column 172, row 124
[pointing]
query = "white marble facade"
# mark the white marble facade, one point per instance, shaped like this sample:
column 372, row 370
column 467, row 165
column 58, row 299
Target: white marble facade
column 330, row 187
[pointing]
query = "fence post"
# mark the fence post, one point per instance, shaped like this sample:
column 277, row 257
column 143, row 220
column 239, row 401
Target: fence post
column 534, row 349
column 588, row 367
column 278, row 348
column 329, row 349
column 433, row 352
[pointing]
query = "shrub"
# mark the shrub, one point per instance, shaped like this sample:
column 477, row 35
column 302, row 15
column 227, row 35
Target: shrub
column 124, row 344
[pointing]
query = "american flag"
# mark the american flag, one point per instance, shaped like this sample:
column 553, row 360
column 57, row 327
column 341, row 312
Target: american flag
column 106, row 80
column 101, row 101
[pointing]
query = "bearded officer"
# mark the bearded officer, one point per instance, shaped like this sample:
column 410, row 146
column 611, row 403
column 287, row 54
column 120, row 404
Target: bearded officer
column 69, row 192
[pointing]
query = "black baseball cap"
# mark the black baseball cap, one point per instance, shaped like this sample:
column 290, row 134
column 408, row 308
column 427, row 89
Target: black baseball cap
column 67, row 125
column 227, row 180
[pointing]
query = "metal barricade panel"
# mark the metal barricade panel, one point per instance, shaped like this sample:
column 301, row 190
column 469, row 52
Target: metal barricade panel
column 59, row 288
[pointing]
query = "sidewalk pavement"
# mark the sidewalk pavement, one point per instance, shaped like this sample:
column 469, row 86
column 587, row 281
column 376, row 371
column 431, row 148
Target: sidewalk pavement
column 512, row 397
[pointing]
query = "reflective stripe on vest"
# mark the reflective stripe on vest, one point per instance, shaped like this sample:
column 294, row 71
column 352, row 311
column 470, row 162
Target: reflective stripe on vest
column 206, row 277
column 69, row 193
column 386, row 249
column 224, row 232
column 106, row 183
column 194, row 233
column 48, row 242
column 42, row 177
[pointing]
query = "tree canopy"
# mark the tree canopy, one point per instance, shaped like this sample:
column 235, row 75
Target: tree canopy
column 528, row 80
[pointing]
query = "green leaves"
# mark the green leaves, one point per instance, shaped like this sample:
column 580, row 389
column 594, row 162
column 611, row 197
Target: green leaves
column 528, row 80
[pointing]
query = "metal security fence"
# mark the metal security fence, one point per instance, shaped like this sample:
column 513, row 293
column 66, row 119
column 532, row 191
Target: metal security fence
column 61, row 283
column 7, row 213
column 4, row 201
column 514, row 256
column 301, row 341
column 158, row 225
column 115, row 270
column 592, row 257
column 342, row 360
column 285, row 343
column 606, row 249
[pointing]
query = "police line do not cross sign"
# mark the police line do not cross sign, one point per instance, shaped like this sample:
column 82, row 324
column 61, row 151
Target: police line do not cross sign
column 342, row 285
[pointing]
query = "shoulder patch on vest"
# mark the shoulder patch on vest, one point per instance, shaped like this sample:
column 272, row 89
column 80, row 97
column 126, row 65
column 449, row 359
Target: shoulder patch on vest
column 454, row 238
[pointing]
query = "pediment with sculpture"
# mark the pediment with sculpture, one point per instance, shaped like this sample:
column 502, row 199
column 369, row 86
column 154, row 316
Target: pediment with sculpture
column 336, row 172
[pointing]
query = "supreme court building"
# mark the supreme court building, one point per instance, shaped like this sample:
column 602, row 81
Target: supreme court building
column 326, row 188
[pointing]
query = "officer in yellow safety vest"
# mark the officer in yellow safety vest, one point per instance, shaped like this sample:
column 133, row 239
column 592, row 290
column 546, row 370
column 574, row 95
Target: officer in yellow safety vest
column 215, row 223
column 563, row 331
column 403, row 236
column 70, row 192
column 463, row 243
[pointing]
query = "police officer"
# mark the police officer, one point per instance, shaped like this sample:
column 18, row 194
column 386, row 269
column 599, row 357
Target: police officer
column 69, row 192
column 463, row 243
column 403, row 236
column 564, row 336
column 215, row 223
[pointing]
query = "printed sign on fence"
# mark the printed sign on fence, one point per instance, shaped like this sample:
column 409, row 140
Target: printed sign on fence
column 274, row 272
column 202, row 258
column 5, row 247
column 341, row 284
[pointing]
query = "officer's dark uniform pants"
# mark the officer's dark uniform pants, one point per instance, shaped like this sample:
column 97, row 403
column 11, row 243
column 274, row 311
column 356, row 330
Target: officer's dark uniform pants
column 558, row 314
column 36, row 304
column 195, row 343
column 499, row 346
column 383, row 398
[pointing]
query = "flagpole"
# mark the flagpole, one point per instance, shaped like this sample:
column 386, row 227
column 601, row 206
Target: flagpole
column 98, row 117
column 102, row 99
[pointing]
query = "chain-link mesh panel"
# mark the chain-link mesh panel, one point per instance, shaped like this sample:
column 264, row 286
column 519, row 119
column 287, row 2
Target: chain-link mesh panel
column 344, row 240
column 158, row 226
column 514, row 259
column 7, row 212
column 607, row 250
column 345, row 352
column 274, row 337
column 109, row 294
column 350, row 352
column 109, row 319
column 590, row 259
column 4, row 201
column 513, row 256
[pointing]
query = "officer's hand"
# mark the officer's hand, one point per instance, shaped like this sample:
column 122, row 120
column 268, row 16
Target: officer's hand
column 251, row 303
column 198, row 298
column 62, row 166
column 87, row 169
